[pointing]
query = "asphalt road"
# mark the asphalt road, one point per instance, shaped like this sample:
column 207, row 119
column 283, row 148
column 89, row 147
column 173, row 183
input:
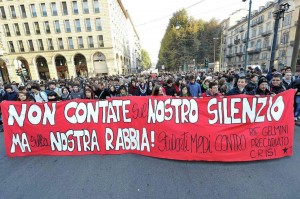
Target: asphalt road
column 133, row 176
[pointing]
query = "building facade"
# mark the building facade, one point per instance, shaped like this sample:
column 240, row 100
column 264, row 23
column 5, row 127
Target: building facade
column 61, row 39
column 260, row 38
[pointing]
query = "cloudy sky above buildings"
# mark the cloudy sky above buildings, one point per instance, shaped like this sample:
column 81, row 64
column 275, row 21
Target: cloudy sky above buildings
column 152, row 17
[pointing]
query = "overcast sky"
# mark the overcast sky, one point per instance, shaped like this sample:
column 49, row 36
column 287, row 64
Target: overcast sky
column 151, row 34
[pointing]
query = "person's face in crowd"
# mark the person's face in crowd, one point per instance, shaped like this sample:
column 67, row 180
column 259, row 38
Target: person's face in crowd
column 288, row 70
column 42, row 88
column 159, row 79
column 276, row 81
column 254, row 79
column 133, row 83
column 241, row 83
column 65, row 91
column 160, row 91
column 180, row 81
column 192, row 81
column 214, row 90
column 288, row 76
column 96, row 82
column 75, row 88
column 28, row 86
column 207, row 82
column 86, row 87
column 123, row 91
column 116, row 83
column 112, row 88
column 101, row 86
column 184, row 91
column 8, row 90
column 150, row 84
column 22, row 96
column 34, row 90
column 263, row 86
column 88, row 94
column 282, row 71
column 52, row 87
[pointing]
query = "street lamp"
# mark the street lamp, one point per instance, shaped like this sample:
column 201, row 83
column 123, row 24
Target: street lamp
column 248, row 33
column 278, row 14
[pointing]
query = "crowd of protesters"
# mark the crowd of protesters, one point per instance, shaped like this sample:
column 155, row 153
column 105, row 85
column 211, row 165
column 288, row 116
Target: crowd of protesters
column 176, row 84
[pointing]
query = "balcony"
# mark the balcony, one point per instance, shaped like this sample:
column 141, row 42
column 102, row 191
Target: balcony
column 12, row 50
column 266, row 33
column 75, row 12
column 8, row 34
column 97, row 10
column 27, row 32
column 244, row 40
column 230, row 55
column 81, row 46
column 38, row 32
column 57, row 30
column 91, row 45
column 237, row 41
column 48, row 31
column 230, row 45
column 22, row 50
column 54, row 13
column 61, row 47
column 31, row 48
column 18, row 33
column 240, row 54
column 42, row 48
column 254, row 50
column 86, row 11
column 260, row 21
column 51, row 48
column 253, row 24
column 242, row 30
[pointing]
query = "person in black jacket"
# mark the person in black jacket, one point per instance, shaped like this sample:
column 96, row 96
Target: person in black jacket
column 134, row 90
column 169, row 88
column 240, row 89
column 102, row 93
column 262, row 88
column 276, row 84
column 252, row 84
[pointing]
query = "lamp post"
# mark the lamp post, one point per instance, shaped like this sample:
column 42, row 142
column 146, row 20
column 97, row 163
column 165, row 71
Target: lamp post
column 248, row 33
column 278, row 14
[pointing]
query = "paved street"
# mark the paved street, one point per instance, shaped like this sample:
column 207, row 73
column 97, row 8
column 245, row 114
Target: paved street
column 133, row 176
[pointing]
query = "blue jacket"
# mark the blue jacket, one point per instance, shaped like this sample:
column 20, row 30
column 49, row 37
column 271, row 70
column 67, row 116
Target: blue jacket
column 13, row 96
column 195, row 89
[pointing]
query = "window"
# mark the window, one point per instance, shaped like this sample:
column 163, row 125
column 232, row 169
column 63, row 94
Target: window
column 268, row 28
column 285, row 38
column 47, row 27
column 266, row 42
column 33, row 10
column 75, row 7
column 85, row 7
column 26, row 28
column 70, row 42
column 264, row 56
column 13, row 12
column 269, row 15
column 64, row 8
column 11, row 47
column 77, row 25
column 50, row 44
column 2, row 10
column 100, row 41
column 7, row 31
column 60, row 43
column 88, row 25
column 57, row 26
column 37, row 28
column 67, row 26
column 23, row 11
column 287, row 20
column 90, row 42
column 254, row 32
column 252, row 44
column 260, row 30
column 40, row 44
column 281, row 53
column 21, row 46
column 44, row 10
column 258, row 44
column 17, row 29
column 53, row 9
column 30, row 44
column 96, row 6
column 80, row 42
column 98, row 24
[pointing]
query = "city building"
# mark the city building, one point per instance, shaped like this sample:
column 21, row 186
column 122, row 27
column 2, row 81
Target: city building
column 260, row 38
column 64, row 39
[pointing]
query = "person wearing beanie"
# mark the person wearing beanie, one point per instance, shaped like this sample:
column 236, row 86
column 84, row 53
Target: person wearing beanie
column 252, row 85
column 262, row 88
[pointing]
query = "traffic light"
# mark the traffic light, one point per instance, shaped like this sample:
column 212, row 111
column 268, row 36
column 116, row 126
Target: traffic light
column 206, row 63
